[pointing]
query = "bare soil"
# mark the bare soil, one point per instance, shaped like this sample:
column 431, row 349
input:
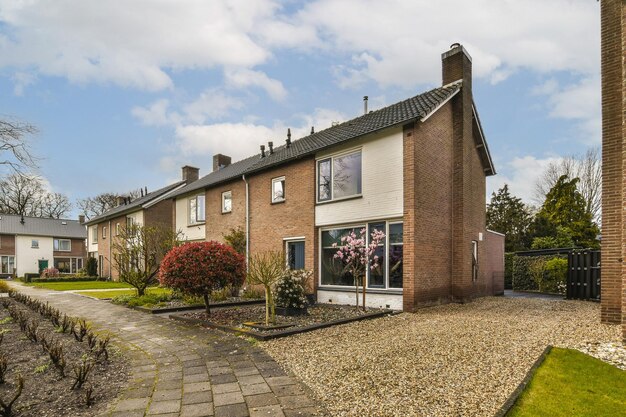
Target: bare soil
column 46, row 392
column 237, row 316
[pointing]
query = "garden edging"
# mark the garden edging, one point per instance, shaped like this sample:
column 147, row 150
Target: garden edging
column 284, row 333
column 195, row 307
column 510, row 402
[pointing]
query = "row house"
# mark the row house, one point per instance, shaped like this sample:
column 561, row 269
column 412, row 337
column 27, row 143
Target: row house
column 416, row 170
column 32, row 244
column 150, row 209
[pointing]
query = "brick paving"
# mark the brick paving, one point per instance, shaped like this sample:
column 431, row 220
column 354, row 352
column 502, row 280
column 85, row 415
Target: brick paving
column 178, row 370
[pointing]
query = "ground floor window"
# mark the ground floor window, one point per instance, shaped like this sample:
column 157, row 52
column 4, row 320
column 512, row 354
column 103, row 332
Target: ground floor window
column 7, row 264
column 68, row 265
column 388, row 274
column 295, row 255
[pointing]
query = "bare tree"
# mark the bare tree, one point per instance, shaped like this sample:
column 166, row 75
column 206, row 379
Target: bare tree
column 14, row 147
column 587, row 167
column 101, row 203
column 21, row 194
column 24, row 194
column 55, row 205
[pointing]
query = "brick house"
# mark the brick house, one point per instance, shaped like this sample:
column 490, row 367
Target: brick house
column 32, row 244
column 415, row 169
column 613, row 289
column 151, row 209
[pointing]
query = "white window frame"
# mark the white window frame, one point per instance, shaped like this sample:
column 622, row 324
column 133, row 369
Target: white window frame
column 117, row 229
column 57, row 245
column 104, row 232
column 34, row 244
column 331, row 158
column 10, row 265
column 274, row 181
column 194, row 207
column 94, row 235
column 359, row 226
column 287, row 241
column 230, row 196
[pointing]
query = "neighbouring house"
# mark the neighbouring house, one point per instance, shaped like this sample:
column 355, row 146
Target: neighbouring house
column 32, row 244
column 150, row 209
column 415, row 170
column 613, row 289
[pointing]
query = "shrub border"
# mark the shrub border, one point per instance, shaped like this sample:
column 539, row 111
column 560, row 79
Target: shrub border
column 284, row 333
column 510, row 402
column 64, row 279
column 194, row 306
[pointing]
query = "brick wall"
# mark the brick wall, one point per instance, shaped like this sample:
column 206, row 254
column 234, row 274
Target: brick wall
column 295, row 217
column 159, row 214
column 493, row 263
column 217, row 223
column 7, row 245
column 104, row 245
column 78, row 250
column 613, row 157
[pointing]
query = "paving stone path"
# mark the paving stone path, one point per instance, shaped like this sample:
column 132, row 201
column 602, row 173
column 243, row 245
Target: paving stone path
column 184, row 371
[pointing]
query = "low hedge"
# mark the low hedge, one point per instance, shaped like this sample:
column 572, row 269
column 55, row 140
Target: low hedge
column 66, row 279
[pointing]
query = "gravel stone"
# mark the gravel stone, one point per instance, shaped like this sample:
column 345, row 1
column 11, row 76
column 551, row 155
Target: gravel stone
column 455, row 359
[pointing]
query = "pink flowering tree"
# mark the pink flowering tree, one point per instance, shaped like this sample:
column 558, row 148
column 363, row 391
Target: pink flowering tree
column 357, row 256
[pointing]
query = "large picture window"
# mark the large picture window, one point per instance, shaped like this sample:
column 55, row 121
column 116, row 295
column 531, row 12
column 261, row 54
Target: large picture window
column 388, row 274
column 7, row 265
column 196, row 209
column 339, row 177
column 68, row 265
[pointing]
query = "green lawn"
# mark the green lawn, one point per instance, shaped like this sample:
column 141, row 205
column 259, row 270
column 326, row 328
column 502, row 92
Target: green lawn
column 80, row 285
column 570, row 383
column 116, row 293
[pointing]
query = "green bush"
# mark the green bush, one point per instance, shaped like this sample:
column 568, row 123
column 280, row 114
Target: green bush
column 146, row 300
column 29, row 276
column 508, row 270
column 92, row 267
column 556, row 275
column 538, row 273
column 65, row 278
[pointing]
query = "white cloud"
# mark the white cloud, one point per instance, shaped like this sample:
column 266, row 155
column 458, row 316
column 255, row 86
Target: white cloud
column 245, row 78
column 521, row 174
column 212, row 104
column 157, row 114
column 22, row 80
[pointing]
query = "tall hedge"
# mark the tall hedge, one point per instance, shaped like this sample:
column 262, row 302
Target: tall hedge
column 508, row 270
column 555, row 271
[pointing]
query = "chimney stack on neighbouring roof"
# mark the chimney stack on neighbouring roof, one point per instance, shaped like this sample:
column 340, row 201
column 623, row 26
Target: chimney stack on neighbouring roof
column 190, row 174
column 270, row 145
column 312, row 129
column 119, row 200
column 262, row 151
column 288, row 137
column 456, row 64
column 81, row 218
column 365, row 104
column 220, row 161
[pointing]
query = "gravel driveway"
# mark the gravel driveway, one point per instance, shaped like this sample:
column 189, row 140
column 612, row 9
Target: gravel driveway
column 461, row 360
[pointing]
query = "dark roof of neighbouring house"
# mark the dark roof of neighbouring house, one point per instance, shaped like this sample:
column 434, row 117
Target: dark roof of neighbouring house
column 10, row 224
column 135, row 204
column 412, row 109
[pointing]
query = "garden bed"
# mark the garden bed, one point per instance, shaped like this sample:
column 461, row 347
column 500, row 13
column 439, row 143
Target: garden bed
column 45, row 392
column 250, row 320
column 178, row 305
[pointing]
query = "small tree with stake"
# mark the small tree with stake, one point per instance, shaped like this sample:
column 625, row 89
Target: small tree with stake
column 200, row 268
column 138, row 251
column 266, row 268
column 357, row 256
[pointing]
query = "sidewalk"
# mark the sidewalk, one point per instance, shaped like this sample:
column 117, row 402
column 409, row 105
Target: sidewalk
column 186, row 371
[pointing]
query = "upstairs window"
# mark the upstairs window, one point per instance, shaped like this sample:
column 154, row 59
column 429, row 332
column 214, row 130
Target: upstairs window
column 94, row 235
column 339, row 177
column 34, row 244
column 129, row 222
column 104, row 232
column 278, row 190
column 62, row 245
column 227, row 202
column 196, row 209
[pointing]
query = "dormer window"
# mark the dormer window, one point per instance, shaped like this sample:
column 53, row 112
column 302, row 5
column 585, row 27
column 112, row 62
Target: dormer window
column 278, row 190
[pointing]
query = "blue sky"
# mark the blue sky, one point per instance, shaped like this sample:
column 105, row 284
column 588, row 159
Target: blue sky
column 125, row 93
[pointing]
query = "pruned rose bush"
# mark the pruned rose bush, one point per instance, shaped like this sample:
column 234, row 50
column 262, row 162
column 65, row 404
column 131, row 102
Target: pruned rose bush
column 50, row 273
column 199, row 268
column 290, row 291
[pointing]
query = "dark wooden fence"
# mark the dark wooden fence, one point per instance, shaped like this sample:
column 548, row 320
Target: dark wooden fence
column 583, row 276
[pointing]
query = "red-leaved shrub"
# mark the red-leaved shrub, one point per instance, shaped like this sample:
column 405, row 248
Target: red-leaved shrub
column 202, row 267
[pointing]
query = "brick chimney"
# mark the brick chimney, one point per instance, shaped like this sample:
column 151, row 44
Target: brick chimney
column 190, row 174
column 119, row 200
column 456, row 64
column 220, row 161
column 81, row 218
